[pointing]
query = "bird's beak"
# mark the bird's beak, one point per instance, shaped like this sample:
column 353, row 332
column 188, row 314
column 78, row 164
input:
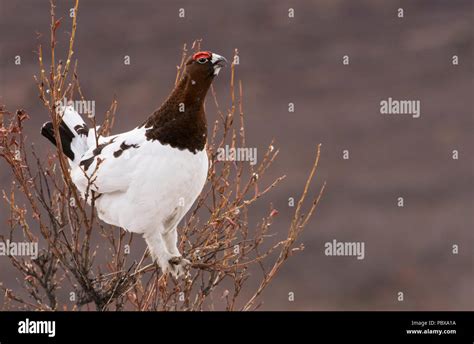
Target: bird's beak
column 218, row 62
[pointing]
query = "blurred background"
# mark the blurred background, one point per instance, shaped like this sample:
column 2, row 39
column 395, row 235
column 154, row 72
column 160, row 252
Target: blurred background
column 299, row 60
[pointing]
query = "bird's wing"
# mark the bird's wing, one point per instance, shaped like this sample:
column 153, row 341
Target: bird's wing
column 109, row 165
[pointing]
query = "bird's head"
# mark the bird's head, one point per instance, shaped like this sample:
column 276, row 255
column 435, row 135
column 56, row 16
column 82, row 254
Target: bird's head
column 204, row 64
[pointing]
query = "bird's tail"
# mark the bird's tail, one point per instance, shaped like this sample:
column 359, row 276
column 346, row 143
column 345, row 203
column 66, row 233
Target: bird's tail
column 73, row 132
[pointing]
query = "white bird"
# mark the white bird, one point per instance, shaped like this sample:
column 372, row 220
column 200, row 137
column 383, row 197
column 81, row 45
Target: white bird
column 145, row 180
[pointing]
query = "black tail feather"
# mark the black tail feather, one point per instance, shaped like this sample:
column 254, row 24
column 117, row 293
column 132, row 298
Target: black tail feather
column 65, row 134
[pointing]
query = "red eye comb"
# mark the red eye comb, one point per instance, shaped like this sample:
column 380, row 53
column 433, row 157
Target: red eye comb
column 202, row 54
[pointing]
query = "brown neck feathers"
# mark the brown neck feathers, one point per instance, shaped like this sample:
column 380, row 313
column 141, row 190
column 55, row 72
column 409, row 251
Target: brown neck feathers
column 181, row 121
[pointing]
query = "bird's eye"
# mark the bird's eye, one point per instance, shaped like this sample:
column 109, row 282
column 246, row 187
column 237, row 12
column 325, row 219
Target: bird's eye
column 202, row 60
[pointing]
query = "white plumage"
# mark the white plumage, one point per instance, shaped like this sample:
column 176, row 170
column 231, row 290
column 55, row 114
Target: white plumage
column 146, row 188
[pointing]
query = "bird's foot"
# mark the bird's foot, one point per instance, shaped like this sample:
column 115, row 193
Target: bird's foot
column 179, row 266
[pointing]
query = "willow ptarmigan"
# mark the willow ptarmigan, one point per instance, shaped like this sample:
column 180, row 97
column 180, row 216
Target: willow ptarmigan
column 147, row 178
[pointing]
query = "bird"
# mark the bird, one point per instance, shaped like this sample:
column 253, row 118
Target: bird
column 145, row 180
